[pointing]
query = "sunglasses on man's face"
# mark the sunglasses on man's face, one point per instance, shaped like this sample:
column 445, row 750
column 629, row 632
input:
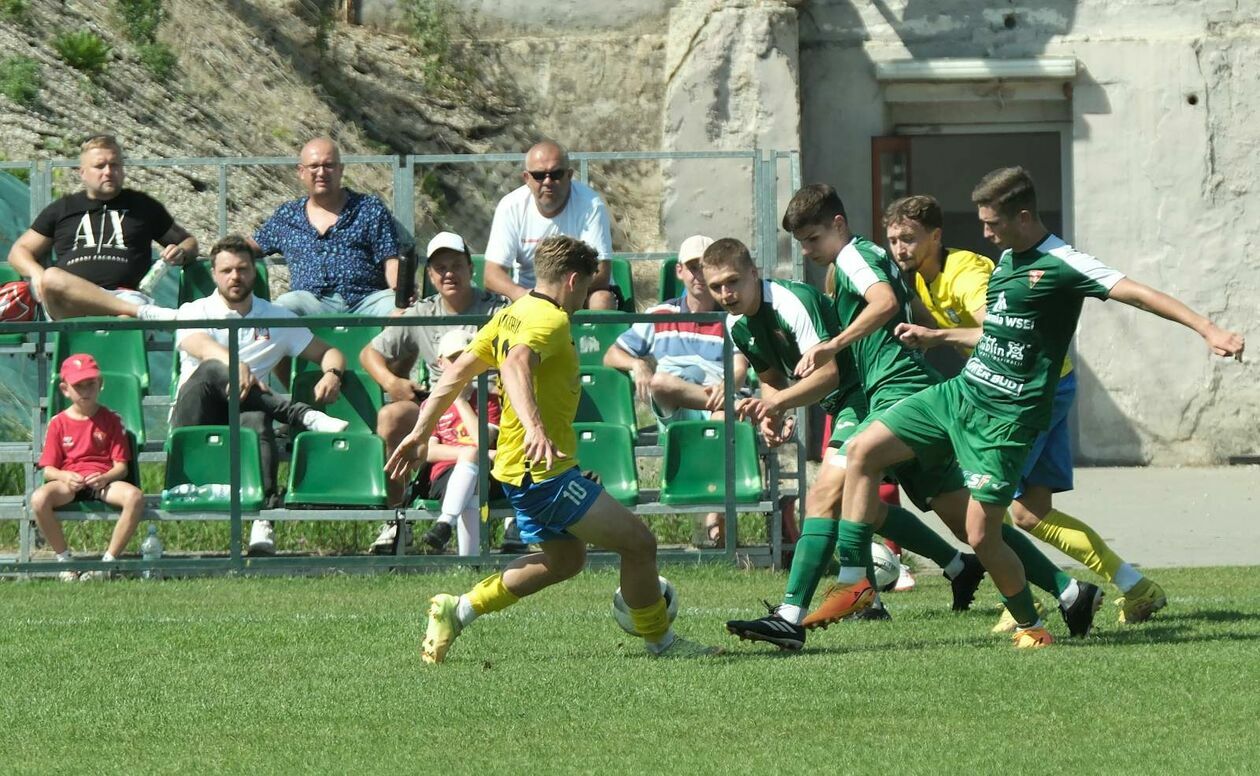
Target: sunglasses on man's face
column 542, row 175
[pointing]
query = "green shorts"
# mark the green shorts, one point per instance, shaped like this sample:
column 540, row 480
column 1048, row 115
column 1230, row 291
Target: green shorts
column 940, row 423
column 925, row 476
column 846, row 419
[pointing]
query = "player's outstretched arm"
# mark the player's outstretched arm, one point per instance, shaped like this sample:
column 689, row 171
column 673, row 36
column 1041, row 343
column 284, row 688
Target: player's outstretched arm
column 881, row 306
column 1221, row 341
column 913, row 335
column 517, row 374
column 411, row 451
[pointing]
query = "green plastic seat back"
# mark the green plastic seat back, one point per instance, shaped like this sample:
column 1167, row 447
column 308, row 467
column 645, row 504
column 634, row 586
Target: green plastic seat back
column 115, row 350
column 122, row 394
column 621, row 276
column 594, row 338
column 348, row 339
column 607, row 397
column 694, row 468
column 342, row 469
column 358, row 404
column 608, row 449
column 670, row 285
column 8, row 274
column 196, row 281
column 199, row 455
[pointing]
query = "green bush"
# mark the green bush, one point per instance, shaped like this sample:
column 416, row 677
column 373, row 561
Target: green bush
column 140, row 19
column 158, row 59
column 20, row 79
column 83, row 50
column 14, row 11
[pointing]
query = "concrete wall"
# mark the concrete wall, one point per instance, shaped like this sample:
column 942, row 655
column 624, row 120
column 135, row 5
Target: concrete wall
column 1161, row 188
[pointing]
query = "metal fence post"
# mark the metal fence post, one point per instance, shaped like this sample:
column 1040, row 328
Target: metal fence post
column 405, row 196
column 234, row 441
column 223, row 198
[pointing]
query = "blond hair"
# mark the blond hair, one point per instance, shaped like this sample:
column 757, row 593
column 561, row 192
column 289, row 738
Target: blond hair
column 560, row 255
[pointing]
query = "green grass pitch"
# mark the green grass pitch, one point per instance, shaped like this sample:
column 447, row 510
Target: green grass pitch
column 323, row 675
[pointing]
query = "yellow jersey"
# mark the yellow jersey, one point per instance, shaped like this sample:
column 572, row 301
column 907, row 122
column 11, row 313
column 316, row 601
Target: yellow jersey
column 958, row 291
column 541, row 325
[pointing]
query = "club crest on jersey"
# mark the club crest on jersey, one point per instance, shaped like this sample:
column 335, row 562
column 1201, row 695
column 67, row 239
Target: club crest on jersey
column 67, row 441
column 98, row 436
column 1034, row 275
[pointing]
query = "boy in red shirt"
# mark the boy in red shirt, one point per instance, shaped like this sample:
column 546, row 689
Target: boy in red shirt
column 85, row 458
column 453, row 458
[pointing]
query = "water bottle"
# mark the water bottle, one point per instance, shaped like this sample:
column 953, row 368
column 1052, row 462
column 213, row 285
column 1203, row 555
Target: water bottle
column 406, row 279
column 150, row 550
column 188, row 492
column 149, row 283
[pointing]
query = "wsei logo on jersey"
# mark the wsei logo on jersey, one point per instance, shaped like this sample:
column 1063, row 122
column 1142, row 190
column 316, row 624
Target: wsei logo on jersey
column 1000, row 306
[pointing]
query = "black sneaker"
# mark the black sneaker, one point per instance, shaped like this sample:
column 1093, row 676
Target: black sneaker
column 966, row 582
column 437, row 536
column 875, row 611
column 773, row 629
column 512, row 544
column 1080, row 615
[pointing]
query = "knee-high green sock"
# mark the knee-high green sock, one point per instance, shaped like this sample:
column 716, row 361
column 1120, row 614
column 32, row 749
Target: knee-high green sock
column 1079, row 542
column 854, row 543
column 904, row 528
column 1022, row 607
column 1037, row 567
column 813, row 551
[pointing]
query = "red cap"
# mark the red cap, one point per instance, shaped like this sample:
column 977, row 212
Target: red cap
column 79, row 367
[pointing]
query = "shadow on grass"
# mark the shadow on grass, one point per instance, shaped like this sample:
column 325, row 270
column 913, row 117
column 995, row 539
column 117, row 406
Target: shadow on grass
column 1210, row 615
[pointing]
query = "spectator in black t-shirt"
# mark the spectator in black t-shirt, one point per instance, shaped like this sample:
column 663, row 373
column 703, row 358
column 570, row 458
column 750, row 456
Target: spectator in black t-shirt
column 103, row 238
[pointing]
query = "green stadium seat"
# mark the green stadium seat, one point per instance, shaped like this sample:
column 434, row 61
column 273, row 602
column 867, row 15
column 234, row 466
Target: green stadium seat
column 196, row 282
column 115, row 350
column 198, row 455
column 133, row 476
column 670, row 285
column 608, row 449
column 337, row 470
column 693, row 471
column 594, row 338
column 348, row 339
column 358, row 403
column 122, row 394
column 623, row 278
column 607, row 397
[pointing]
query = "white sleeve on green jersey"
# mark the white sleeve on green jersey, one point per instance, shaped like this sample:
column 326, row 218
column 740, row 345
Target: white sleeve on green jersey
column 795, row 315
column 855, row 268
column 1098, row 278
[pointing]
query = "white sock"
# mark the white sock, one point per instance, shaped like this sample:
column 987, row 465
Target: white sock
column 954, row 567
column 1068, row 596
column 468, row 533
column 658, row 647
column 460, row 487
column 106, row 558
column 851, row 574
column 465, row 612
column 445, row 518
column 64, row 557
column 791, row 612
column 1127, row 577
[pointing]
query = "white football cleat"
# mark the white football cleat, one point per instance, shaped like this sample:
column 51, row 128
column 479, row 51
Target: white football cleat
column 262, row 538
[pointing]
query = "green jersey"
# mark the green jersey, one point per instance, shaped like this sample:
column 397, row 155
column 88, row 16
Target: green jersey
column 882, row 360
column 793, row 317
column 1033, row 303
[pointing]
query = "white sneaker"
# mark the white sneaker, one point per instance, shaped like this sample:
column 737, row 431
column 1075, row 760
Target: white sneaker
column 262, row 538
column 385, row 541
column 905, row 580
column 152, row 312
column 314, row 420
column 68, row 576
column 95, row 576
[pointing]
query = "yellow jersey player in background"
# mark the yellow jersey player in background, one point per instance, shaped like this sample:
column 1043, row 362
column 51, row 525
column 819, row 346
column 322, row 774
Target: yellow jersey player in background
column 530, row 345
column 952, row 285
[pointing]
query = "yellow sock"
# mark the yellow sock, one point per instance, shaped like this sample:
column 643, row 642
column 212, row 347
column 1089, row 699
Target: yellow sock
column 651, row 622
column 490, row 595
column 1079, row 542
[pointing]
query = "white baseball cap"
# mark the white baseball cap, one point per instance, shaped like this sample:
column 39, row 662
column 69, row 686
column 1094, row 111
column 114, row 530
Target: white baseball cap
column 448, row 240
column 693, row 248
column 453, row 342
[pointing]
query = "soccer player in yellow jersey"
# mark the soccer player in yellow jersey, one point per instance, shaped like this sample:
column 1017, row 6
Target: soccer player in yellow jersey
column 952, row 285
column 529, row 343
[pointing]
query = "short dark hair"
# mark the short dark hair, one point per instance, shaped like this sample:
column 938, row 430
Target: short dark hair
column 727, row 252
column 919, row 208
column 1007, row 190
column 232, row 243
column 559, row 255
column 817, row 203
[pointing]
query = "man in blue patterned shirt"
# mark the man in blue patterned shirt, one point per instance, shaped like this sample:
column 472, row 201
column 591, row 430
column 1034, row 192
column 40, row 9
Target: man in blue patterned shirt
column 341, row 246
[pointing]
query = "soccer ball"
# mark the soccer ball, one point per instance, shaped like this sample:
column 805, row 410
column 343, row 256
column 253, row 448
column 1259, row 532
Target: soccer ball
column 887, row 567
column 621, row 612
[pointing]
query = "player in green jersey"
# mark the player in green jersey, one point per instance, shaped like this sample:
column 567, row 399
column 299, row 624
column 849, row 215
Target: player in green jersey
column 990, row 415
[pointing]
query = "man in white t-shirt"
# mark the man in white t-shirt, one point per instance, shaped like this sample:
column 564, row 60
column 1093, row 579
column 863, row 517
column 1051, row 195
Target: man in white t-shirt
column 550, row 203
column 202, row 398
